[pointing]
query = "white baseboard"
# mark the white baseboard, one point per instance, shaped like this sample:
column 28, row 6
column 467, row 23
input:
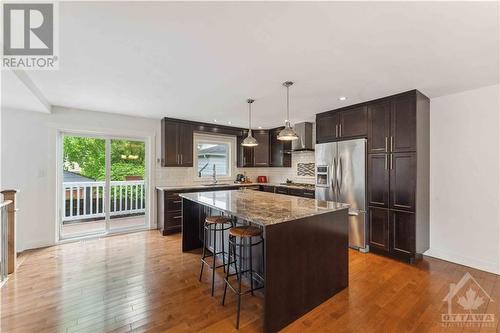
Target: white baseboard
column 491, row 267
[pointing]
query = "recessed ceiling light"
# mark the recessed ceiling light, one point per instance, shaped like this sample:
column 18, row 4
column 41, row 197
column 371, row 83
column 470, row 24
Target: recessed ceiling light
column 342, row 98
column 215, row 120
column 229, row 122
column 260, row 127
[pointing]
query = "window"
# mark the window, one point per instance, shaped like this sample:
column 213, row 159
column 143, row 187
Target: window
column 213, row 151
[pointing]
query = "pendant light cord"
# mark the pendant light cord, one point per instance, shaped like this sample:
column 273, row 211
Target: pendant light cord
column 249, row 117
column 288, row 103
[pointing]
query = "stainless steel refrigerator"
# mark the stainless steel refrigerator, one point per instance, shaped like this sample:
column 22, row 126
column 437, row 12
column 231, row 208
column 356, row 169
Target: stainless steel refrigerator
column 341, row 177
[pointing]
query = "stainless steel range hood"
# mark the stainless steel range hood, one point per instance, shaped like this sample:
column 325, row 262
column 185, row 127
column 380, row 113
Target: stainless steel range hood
column 305, row 132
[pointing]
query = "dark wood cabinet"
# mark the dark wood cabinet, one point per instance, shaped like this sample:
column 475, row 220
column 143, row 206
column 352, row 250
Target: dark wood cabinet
column 280, row 151
column 392, row 232
column 281, row 190
column 169, row 212
column 378, row 224
column 327, row 128
column 378, row 180
column 261, row 152
column 267, row 188
column 245, row 154
column 392, row 124
column 398, row 172
column 402, row 233
column 379, row 126
column 403, row 175
column 270, row 151
column 403, row 124
column 345, row 123
column 353, row 122
column 176, row 144
column 185, row 144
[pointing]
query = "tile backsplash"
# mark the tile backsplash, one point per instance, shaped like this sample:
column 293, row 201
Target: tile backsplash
column 186, row 176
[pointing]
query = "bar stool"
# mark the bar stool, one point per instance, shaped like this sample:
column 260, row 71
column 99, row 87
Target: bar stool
column 215, row 224
column 244, row 234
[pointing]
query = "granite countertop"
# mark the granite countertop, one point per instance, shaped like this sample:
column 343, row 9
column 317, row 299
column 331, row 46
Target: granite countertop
column 261, row 207
column 196, row 186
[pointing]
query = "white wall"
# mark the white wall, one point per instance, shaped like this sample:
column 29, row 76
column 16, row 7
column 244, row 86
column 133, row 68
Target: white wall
column 464, row 178
column 29, row 162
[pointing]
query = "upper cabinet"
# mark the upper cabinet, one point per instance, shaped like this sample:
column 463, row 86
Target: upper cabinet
column 327, row 127
column 261, row 152
column 392, row 124
column 280, row 151
column 340, row 124
column 379, row 121
column 403, row 124
column 352, row 122
column 244, row 157
column 269, row 152
column 176, row 144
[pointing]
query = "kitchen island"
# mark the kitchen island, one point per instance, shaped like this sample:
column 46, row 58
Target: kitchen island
column 305, row 245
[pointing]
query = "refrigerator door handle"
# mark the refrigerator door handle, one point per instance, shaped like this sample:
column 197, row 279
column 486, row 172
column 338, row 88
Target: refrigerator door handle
column 334, row 179
column 351, row 213
column 339, row 179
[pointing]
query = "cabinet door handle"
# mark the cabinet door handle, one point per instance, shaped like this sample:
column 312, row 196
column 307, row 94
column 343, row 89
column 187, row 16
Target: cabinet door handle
column 340, row 130
column 391, row 142
column 177, row 201
column 177, row 217
column 386, row 144
column 391, row 161
column 385, row 161
column 181, row 157
column 336, row 130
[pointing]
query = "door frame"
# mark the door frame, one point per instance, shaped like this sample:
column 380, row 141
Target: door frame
column 148, row 160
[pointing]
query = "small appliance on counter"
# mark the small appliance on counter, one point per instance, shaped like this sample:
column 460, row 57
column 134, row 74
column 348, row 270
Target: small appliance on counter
column 261, row 179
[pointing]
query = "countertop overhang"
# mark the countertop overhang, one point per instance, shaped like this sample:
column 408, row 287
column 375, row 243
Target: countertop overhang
column 236, row 185
column 261, row 207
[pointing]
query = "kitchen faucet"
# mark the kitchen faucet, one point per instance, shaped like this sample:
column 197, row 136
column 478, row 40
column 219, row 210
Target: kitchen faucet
column 214, row 175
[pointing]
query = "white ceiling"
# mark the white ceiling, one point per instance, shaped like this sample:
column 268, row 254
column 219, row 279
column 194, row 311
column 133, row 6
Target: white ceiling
column 201, row 61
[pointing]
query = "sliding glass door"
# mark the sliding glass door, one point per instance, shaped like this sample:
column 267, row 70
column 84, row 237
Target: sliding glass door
column 103, row 185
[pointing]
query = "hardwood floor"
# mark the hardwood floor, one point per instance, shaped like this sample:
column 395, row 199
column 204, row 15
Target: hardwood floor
column 143, row 282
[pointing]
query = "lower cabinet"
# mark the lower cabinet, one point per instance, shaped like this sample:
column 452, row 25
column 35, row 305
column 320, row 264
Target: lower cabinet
column 379, row 228
column 392, row 233
column 169, row 212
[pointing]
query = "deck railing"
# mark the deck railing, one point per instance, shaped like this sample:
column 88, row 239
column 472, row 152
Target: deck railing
column 3, row 239
column 85, row 200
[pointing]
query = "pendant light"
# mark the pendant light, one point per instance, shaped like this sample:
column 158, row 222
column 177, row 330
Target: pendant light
column 250, row 140
column 287, row 133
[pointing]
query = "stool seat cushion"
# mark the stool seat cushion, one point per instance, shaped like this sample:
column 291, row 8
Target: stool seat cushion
column 216, row 219
column 245, row 231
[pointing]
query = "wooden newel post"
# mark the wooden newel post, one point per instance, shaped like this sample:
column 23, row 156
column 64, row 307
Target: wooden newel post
column 11, row 230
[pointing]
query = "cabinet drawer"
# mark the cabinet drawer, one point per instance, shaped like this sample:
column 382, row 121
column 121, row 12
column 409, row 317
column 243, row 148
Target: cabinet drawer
column 267, row 188
column 296, row 192
column 309, row 194
column 174, row 203
column 282, row 190
column 174, row 219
